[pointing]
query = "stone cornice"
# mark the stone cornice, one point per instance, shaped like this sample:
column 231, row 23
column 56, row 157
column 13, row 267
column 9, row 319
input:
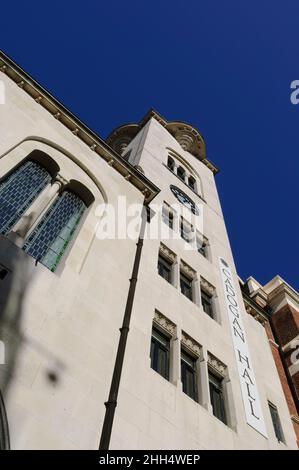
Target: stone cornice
column 283, row 291
column 77, row 127
column 164, row 323
column 206, row 286
column 254, row 309
column 191, row 345
column 216, row 365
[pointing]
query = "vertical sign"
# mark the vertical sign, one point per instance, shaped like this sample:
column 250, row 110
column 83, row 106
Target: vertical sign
column 253, row 411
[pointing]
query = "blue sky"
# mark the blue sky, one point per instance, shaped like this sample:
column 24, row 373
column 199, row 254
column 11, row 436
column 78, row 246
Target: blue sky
column 225, row 67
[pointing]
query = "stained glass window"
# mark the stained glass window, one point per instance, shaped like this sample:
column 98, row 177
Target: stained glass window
column 52, row 235
column 19, row 190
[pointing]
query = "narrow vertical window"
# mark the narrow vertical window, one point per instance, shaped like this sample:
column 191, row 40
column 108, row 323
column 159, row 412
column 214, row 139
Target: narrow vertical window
column 181, row 173
column 188, row 375
column 276, row 422
column 192, row 183
column 160, row 346
column 186, row 286
column 207, row 303
column 48, row 242
column 19, row 190
column 164, row 268
column 186, row 231
column 170, row 163
column 202, row 246
column 217, row 398
column 167, row 216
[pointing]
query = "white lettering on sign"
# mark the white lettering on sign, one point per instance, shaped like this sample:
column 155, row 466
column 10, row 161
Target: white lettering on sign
column 253, row 410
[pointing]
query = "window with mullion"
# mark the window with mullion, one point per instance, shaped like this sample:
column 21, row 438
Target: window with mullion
column 217, row 397
column 188, row 375
column 160, row 347
column 48, row 242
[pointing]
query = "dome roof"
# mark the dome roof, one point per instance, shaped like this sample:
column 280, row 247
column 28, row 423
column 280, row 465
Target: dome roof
column 186, row 135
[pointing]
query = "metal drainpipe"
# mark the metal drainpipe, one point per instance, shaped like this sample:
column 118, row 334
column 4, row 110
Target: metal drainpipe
column 124, row 330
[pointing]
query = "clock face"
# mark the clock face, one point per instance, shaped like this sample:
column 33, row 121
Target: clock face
column 184, row 199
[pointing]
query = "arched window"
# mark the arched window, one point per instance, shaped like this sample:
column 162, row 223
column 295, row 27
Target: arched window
column 18, row 190
column 170, row 163
column 181, row 173
column 49, row 239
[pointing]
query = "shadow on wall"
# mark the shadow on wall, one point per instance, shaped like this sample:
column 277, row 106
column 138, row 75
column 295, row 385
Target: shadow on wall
column 16, row 269
column 16, row 273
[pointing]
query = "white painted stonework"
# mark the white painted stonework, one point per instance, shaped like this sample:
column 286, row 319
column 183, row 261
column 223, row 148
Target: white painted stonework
column 62, row 341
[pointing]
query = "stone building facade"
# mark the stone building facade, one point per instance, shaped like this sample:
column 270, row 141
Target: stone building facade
column 197, row 371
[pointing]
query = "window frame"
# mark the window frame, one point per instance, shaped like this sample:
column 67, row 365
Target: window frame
column 167, row 216
column 276, row 422
column 216, row 388
column 181, row 173
column 157, row 345
column 190, row 286
column 165, row 262
column 189, row 364
column 207, row 300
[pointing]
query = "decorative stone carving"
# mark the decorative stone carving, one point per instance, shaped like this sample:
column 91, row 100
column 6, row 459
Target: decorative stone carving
column 187, row 269
column 206, row 286
column 167, row 252
column 75, row 131
column 216, row 364
column 164, row 323
column 57, row 115
column 255, row 314
column 191, row 344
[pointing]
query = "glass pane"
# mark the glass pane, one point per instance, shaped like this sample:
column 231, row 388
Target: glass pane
column 160, row 353
column 19, row 190
column 181, row 173
column 186, row 286
column 217, row 399
column 276, row 422
column 164, row 269
column 188, row 375
column 52, row 235
column 207, row 306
